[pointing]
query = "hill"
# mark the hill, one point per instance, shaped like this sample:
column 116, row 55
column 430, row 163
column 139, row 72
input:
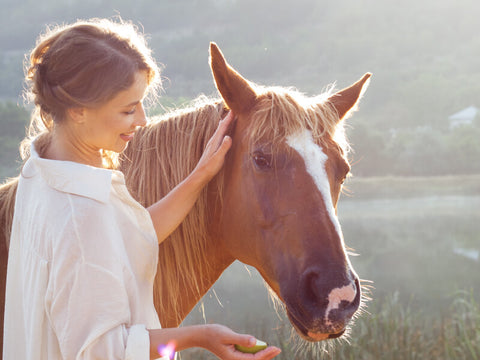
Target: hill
column 423, row 56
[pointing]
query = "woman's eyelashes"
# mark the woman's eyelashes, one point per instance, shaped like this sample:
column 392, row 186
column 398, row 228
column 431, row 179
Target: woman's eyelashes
column 131, row 112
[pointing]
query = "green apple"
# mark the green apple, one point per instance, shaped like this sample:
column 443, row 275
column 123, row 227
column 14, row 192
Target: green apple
column 260, row 345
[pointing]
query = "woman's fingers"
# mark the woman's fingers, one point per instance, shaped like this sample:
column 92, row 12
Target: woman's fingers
column 219, row 135
column 225, row 146
column 217, row 147
column 267, row 354
column 248, row 341
column 226, row 121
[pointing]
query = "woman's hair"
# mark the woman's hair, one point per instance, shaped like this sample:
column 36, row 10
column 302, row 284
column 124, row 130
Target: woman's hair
column 84, row 64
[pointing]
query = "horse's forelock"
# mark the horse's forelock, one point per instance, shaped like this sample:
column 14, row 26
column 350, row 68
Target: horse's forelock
column 281, row 112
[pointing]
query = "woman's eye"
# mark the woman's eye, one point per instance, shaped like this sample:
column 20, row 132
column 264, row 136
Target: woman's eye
column 131, row 112
column 262, row 161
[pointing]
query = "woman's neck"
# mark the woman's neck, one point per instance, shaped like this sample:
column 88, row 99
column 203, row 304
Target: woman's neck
column 65, row 146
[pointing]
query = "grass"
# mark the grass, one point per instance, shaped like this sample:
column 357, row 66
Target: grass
column 391, row 330
column 397, row 331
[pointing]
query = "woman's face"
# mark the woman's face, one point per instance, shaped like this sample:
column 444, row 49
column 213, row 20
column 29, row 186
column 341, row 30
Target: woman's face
column 112, row 125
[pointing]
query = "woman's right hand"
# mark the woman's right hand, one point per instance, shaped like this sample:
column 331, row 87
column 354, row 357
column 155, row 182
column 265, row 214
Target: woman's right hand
column 220, row 340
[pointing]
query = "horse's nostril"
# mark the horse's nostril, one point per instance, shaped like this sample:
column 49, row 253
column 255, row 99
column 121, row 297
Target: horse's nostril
column 312, row 289
column 344, row 305
column 323, row 292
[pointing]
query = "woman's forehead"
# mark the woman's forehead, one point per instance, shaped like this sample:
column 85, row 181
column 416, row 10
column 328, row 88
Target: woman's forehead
column 134, row 94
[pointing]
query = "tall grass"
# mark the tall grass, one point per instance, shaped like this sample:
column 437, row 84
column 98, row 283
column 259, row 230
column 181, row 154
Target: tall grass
column 396, row 331
column 390, row 330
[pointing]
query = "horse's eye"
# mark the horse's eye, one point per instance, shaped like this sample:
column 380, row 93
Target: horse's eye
column 262, row 161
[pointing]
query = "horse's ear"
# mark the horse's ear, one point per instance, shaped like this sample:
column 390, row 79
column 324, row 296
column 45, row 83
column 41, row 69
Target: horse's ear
column 345, row 101
column 236, row 92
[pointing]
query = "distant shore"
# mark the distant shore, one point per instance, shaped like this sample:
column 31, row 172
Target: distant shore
column 361, row 188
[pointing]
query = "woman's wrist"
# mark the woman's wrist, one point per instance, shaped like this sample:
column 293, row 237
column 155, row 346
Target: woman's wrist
column 178, row 338
column 201, row 175
column 198, row 178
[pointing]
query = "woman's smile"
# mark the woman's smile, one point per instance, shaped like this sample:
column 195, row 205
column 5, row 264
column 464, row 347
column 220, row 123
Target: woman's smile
column 127, row 136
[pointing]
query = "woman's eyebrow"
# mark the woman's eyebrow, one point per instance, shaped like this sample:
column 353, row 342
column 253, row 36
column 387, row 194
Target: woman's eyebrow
column 133, row 103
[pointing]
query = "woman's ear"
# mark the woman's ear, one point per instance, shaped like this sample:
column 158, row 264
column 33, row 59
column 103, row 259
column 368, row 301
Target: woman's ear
column 77, row 114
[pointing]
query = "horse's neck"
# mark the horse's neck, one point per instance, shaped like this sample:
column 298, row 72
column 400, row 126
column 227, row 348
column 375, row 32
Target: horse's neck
column 174, row 308
column 183, row 276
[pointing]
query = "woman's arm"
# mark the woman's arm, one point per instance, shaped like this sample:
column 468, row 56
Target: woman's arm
column 170, row 211
column 217, row 339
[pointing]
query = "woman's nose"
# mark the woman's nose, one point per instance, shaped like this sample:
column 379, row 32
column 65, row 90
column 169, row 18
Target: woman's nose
column 141, row 118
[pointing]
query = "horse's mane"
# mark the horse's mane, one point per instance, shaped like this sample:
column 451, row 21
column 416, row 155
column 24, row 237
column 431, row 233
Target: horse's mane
column 157, row 159
column 168, row 149
column 8, row 191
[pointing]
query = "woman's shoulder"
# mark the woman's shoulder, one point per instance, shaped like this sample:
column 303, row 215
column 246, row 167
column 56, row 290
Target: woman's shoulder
column 60, row 208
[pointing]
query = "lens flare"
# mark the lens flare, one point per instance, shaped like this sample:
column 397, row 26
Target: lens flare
column 167, row 350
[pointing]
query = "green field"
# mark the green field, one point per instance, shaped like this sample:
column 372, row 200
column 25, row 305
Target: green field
column 418, row 242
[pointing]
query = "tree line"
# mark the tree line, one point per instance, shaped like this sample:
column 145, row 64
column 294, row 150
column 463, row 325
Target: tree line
column 423, row 71
column 406, row 152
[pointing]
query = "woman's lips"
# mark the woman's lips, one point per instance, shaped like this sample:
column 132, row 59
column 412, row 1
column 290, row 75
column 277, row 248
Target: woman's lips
column 127, row 137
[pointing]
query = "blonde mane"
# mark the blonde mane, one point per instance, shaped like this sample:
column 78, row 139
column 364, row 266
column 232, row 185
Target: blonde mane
column 168, row 149
column 160, row 157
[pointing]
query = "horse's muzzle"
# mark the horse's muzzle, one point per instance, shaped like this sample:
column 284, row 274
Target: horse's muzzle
column 322, row 307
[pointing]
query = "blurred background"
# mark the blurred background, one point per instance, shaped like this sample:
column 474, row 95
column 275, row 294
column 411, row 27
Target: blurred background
column 411, row 210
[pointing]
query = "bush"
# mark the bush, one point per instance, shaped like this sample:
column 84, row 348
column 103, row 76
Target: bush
column 13, row 121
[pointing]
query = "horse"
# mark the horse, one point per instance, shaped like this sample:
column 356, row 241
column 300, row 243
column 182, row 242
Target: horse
column 272, row 206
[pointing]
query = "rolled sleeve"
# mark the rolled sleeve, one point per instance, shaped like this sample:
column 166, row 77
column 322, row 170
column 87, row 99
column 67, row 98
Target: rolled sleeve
column 138, row 343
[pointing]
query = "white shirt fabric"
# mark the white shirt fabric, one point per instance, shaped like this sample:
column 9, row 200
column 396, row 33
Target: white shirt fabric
column 82, row 261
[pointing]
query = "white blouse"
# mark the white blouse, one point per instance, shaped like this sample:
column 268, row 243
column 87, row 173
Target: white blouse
column 82, row 261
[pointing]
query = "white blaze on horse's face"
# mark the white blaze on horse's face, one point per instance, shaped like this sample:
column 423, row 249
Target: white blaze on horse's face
column 315, row 161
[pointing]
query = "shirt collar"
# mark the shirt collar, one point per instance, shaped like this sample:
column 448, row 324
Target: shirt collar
column 71, row 177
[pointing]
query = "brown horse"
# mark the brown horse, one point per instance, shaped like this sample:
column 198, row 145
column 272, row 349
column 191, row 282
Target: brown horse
column 273, row 205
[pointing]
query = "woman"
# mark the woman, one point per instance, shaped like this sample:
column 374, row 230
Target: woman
column 83, row 252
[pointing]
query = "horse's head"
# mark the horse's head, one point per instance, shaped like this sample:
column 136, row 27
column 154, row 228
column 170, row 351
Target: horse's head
column 282, row 180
